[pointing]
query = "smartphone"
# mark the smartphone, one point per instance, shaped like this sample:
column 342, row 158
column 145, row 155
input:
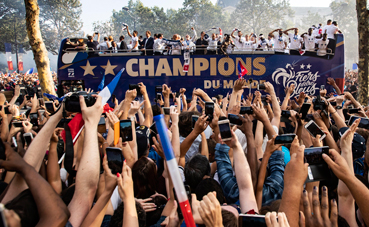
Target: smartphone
column 17, row 124
column 33, row 118
column 194, row 119
column 29, row 97
column 364, row 122
column 49, row 106
column 261, row 86
column 322, row 87
column 28, row 138
column 234, row 119
column 115, row 159
column 158, row 89
column 166, row 110
column 284, row 139
column 62, row 122
column 6, row 110
column 3, row 222
column 225, row 130
column 246, row 110
column 318, row 169
column 314, row 129
column 255, row 220
column 14, row 142
column 101, row 127
column 209, row 110
column 126, row 130
column 305, row 109
column 158, row 96
column 351, row 111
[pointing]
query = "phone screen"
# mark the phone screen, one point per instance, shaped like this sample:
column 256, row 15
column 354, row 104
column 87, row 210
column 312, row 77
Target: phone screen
column 17, row 124
column 49, row 107
column 284, row 139
column 27, row 138
column 126, row 130
column 115, row 159
column 314, row 129
column 351, row 111
column 166, row 110
column 158, row 89
column 234, row 119
column 225, row 130
column 6, row 110
column 252, row 220
column 313, row 155
column 305, row 109
column 246, row 110
column 194, row 119
column 318, row 169
column 209, row 110
column 364, row 122
column 33, row 119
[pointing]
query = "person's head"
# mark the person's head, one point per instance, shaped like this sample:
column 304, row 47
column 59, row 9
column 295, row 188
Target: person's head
column 135, row 33
column 280, row 32
column 144, row 178
column 196, row 169
column 296, row 31
column 229, row 216
column 175, row 37
column 156, row 110
column 152, row 217
column 121, row 38
column 213, row 36
column 310, row 31
column 110, row 38
column 117, row 218
column 335, row 23
column 269, row 37
column 247, row 37
column 188, row 37
column 155, row 36
column 239, row 33
column 329, row 22
column 89, row 37
column 160, row 36
column 325, row 36
column 148, row 34
column 202, row 34
column 185, row 122
column 211, row 148
column 105, row 38
column 209, row 185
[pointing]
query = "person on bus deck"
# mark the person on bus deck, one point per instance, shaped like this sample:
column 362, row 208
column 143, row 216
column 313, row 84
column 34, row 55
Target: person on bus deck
column 239, row 40
column 148, row 44
column 104, row 45
column 113, row 45
column 213, row 43
column 123, row 44
column 175, row 45
column 188, row 43
column 295, row 41
column 270, row 43
column 323, row 46
column 309, row 41
column 81, row 45
column 248, row 45
column 92, row 44
column 331, row 31
column 280, row 43
column 201, row 44
column 134, row 40
column 263, row 43
column 158, row 45
column 227, row 45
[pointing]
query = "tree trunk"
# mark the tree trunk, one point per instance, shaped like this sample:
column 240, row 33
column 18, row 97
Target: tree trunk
column 38, row 46
column 362, row 19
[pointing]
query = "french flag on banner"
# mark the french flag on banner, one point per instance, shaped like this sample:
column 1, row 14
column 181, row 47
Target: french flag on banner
column 242, row 71
column 30, row 71
column 76, row 124
column 8, row 50
column 20, row 58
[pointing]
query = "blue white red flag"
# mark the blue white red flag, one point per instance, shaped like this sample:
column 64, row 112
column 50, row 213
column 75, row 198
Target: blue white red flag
column 242, row 71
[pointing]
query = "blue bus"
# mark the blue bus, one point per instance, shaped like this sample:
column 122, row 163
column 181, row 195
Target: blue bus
column 215, row 74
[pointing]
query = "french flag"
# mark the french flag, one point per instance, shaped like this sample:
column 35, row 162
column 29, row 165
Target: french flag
column 30, row 71
column 242, row 71
column 76, row 124
column 8, row 50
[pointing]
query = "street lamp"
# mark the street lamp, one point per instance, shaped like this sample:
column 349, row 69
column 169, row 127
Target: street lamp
column 130, row 14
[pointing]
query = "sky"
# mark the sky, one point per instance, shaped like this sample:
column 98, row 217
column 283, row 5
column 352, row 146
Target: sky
column 93, row 10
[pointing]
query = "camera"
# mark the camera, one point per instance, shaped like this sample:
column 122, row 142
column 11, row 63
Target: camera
column 72, row 101
column 319, row 104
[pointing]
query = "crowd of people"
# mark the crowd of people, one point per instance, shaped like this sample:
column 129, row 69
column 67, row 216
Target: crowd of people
column 48, row 179
column 317, row 41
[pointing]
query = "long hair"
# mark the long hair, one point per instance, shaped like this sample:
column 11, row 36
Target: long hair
column 144, row 178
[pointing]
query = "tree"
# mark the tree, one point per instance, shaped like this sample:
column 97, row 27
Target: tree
column 363, row 18
column 38, row 46
column 309, row 20
column 261, row 16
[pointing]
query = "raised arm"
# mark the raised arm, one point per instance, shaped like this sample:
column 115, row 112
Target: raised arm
column 276, row 108
column 286, row 31
column 148, row 111
column 194, row 37
column 128, row 32
column 271, row 33
column 52, row 168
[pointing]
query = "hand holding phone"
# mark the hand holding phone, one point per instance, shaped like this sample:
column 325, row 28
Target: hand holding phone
column 225, row 130
column 115, row 159
column 314, row 130
column 126, row 130
column 209, row 110
column 284, row 139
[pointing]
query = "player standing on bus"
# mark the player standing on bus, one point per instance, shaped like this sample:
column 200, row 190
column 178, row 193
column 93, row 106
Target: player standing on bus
column 239, row 40
column 310, row 40
column 295, row 41
column 134, row 40
column 280, row 43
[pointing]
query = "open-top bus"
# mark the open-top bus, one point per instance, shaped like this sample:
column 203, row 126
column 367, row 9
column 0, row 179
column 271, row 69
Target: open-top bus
column 215, row 74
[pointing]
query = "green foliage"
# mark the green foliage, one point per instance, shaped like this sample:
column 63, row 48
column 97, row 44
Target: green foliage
column 311, row 19
column 261, row 16
column 58, row 19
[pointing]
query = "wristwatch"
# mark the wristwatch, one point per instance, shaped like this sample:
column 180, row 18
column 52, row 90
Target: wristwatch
column 338, row 107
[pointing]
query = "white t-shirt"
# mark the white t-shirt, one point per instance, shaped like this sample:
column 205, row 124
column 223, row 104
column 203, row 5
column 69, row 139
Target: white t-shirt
column 322, row 45
column 134, row 41
column 325, row 28
column 248, row 45
column 279, row 43
column 239, row 43
column 309, row 42
column 331, row 30
column 295, row 41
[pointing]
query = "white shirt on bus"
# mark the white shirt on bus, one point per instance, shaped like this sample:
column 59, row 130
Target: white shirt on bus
column 295, row 41
column 159, row 46
column 213, row 43
column 331, row 30
column 322, row 45
column 248, row 45
column 239, row 42
column 279, row 43
column 309, row 41
column 134, row 41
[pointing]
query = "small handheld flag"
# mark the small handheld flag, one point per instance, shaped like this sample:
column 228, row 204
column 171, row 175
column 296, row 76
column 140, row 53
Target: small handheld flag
column 242, row 71
column 30, row 71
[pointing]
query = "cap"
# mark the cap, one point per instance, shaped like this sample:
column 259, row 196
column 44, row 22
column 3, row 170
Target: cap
column 358, row 144
column 89, row 35
column 142, row 138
